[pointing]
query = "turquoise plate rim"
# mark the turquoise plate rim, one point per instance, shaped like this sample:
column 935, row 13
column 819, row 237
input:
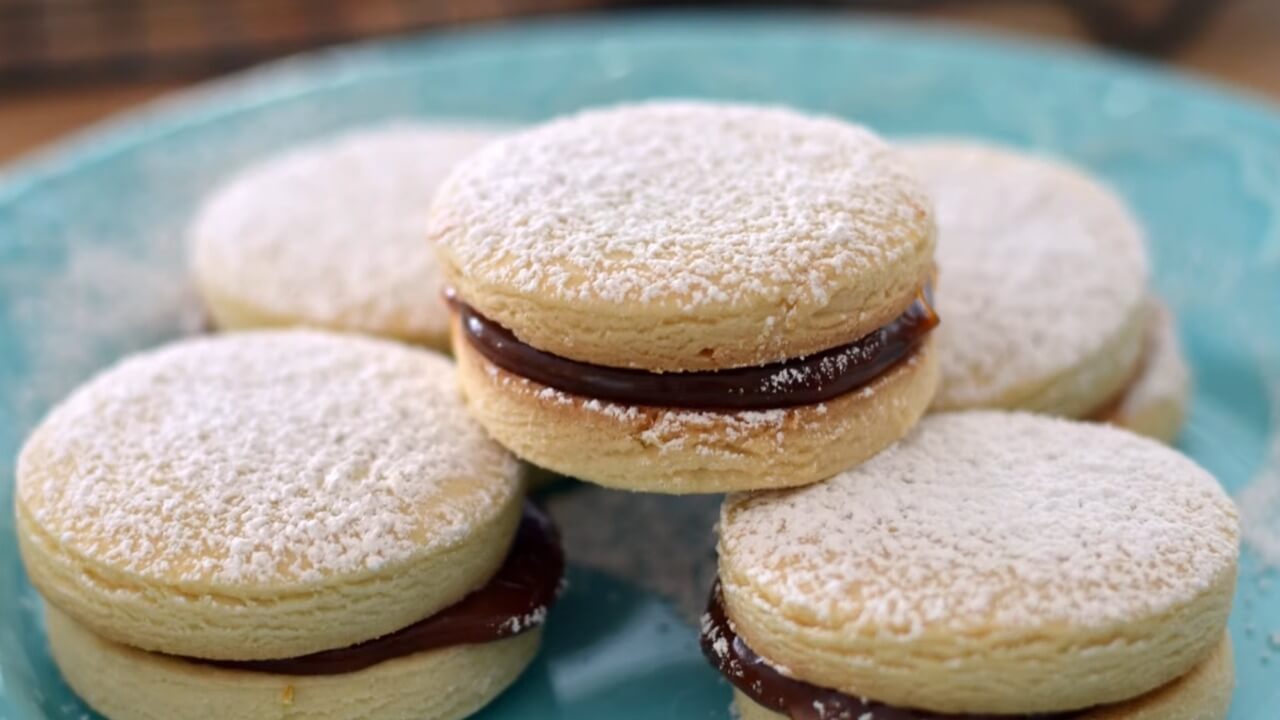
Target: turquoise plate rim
column 269, row 82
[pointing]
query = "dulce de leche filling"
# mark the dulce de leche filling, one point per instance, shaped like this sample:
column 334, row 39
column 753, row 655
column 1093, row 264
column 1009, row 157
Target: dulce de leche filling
column 799, row 381
column 514, row 601
column 797, row 699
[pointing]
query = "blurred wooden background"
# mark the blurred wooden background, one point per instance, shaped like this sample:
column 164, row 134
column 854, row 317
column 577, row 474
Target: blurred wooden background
column 67, row 63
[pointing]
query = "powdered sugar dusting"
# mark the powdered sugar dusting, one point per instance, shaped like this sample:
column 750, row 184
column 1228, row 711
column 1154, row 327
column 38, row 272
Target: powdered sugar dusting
column 264, row 457
column 1038, row 267
column 681, row 205
column 334, row 233
column 981, row 518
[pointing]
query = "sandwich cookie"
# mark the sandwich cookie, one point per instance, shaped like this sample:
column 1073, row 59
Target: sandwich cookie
column 990, row 565
column 688, row 297
column 281, row 524
column 331, row 235
column 1044, row 282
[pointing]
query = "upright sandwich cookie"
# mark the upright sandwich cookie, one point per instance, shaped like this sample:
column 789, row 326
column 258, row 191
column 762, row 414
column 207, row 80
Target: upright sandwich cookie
column 688, row 297
column 990, row 565
column 1044, row 286
column 330, row 235
column 281, row 525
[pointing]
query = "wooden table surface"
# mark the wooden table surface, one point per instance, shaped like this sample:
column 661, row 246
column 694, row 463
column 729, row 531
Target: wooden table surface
column 1241, row 48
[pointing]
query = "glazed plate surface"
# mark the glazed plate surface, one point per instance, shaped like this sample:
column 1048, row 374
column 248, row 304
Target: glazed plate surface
column 92, row 266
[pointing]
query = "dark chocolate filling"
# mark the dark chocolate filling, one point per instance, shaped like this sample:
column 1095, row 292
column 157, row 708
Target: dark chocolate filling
column 797, row 699
column 514, row 601
column 799, row 381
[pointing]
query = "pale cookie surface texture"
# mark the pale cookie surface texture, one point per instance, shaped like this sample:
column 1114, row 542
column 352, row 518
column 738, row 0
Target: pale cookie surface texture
column 670, row 450
column 686, row 235
column 263, row 494
column 333, row 235
column 1042, row 280
column 988, row 563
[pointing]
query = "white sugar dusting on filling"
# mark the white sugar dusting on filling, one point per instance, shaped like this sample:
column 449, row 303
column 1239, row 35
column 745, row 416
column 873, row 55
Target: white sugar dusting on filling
column 1038, row 265
column 984, row 518
column 264, row 457
column 681, row 205
column 827, row 370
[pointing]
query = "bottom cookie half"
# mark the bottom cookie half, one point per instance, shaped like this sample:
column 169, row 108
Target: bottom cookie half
column 1202, row 694
column 124, row 683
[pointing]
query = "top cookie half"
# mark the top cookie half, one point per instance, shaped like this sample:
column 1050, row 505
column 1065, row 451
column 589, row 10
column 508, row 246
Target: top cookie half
column 672, row 236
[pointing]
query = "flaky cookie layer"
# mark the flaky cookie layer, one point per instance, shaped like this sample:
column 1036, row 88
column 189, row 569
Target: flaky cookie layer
column 676, row 451
column 684, row 235
column 125, row 683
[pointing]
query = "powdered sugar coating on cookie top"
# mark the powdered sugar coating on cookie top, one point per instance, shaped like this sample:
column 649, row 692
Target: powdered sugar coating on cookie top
column 264, row 458
column 1040, row 267
column 986, row 520
column 334, row 233
column 680, row 209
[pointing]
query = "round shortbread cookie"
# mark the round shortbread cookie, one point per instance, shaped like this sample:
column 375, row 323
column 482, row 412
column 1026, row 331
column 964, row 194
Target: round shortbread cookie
column 263, row 495
column 1155, row 403
column 124, row 683
column 668, row 450
column 333, row 235
column 1202, row 694
column 1042, row 281
column 672, row 236
column 988, row 563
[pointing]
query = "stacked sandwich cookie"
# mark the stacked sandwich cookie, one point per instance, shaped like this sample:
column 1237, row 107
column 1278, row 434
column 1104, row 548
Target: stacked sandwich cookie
column 992, row 565
column 689, row 297
column 1045, row 293
column 282, row 525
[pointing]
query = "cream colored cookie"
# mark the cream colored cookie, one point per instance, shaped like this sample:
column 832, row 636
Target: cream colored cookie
column 1202, row 694
column 333, row 235
column 263, row 495
column 988, row 563
column 123, row 683
column 676, row 236
column 1155, row 403
column 670, row 450
column 1043, row 280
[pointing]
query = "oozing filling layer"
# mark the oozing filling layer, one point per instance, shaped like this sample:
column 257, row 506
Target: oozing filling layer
column 514, row 601
column 799, row 381
column 797, row 699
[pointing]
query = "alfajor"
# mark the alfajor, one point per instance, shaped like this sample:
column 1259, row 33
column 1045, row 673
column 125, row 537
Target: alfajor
column 1044, row 288
column 990, row 565
column 690, row 297
column 330, row 235
column 285, row 524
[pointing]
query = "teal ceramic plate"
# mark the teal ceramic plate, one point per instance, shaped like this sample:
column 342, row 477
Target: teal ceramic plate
column 91, row 267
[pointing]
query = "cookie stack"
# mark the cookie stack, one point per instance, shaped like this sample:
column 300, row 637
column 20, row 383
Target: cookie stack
column 671, row 297
column 685, row 297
